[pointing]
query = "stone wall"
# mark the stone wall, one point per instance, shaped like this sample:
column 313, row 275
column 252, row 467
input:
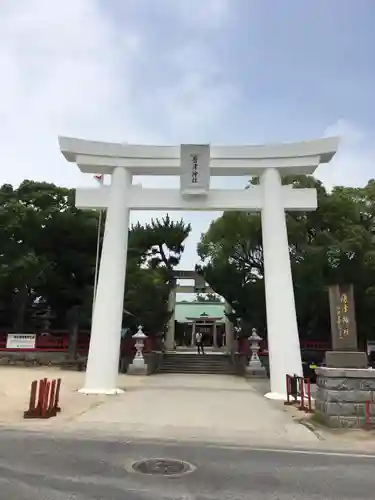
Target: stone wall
column 59, row 358
column 341, row 396
column 32, row 358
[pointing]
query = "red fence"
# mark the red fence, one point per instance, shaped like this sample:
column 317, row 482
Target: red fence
column 298, row 392
column 46, row 343
column 244, row 346
column 44, row 399
column 50, row 343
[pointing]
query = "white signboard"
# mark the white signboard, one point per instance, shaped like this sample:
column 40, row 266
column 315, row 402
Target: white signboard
column 195, row 169
column 21, row 341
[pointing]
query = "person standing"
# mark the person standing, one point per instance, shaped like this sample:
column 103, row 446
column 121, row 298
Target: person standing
column 199, row 342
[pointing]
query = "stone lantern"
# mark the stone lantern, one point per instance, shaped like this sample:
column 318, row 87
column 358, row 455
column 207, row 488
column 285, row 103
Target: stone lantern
column 255, row 367
column 138, row 365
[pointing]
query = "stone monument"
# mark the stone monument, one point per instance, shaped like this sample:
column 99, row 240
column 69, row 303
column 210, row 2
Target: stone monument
column 255, row 367
column 345, row 386
column 344, row 352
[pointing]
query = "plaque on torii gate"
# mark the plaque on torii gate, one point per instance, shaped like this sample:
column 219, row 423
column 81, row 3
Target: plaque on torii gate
column 195, row 170
column 270, row 197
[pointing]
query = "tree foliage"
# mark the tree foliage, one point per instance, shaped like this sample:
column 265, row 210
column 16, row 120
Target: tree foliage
column 158, row 244
column 334, row 244
column 208, row 297
column 48, row 254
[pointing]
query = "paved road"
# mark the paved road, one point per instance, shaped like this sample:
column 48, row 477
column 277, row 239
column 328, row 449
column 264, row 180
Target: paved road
column 34, row 467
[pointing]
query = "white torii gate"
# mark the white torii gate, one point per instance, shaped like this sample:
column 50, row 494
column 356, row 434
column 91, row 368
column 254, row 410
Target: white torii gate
column 195, row 164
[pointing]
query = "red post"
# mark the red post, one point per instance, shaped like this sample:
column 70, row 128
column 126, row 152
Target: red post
column 42, row 388
column 44, row 412
column 309, row 395
column 34, row 386
column 51, row 403
column 48, row 399
column 30, row 413
column 367, row 414
column 302, row 392
column 57, row 397
column 288, row 389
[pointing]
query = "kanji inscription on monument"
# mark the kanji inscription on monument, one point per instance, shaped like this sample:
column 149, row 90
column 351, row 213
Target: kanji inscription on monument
column 343, row 324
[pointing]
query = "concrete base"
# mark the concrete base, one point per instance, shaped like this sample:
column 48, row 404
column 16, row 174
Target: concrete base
column 344, row 395
column 255, row 369
column 346, row 359
column 109, row 392
column 137, row 367
column 275, row 396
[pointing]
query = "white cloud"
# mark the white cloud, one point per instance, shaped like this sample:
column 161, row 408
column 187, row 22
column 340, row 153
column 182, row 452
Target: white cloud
column 69, row 68
column 60, row 75
column 199, row 93
column 208, row 14
column 354, row 163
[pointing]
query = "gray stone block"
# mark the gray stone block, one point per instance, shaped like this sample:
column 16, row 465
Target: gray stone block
column 255, row 370
column 346, row 359
column 137, row 367
column 367, row 384
column 339, row 384
column 343, row 409
column 323, row 371
column 334, row 396
column 342, row 394
column 337, row 422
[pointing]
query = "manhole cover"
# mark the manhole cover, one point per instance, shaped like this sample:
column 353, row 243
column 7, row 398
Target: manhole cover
column 162, row 466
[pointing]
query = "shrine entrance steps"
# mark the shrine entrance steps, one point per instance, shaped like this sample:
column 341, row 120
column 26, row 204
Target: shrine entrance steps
column 210, row 363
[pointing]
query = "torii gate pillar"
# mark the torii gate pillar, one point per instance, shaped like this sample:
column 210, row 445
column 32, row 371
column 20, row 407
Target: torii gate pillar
column 278, row 283
column 195, row 164
column 103, row 359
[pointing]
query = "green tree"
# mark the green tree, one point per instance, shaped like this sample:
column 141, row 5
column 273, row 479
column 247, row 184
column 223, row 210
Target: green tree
column 48, row 254
column 25, row 218
column 48, row 260
column 159, row 243
column 334, row 244
column 155, row 249
column 207, row 297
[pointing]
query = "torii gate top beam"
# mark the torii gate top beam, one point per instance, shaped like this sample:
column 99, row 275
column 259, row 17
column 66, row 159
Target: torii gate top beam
column 139, row 198
column 289, row 158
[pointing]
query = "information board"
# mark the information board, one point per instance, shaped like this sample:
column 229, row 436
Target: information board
column 21, row 341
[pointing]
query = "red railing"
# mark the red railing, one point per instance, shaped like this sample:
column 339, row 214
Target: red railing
column 44, row 399
column 50, row 343
column 60, row 343
column 47, row 343
column 298, row 392
column 315, row 345
column 244, row 346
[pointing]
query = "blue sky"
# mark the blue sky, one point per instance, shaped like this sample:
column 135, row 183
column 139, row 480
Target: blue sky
column 172, row 71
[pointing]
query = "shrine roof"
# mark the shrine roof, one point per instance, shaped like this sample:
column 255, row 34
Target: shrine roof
column 186, row 310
